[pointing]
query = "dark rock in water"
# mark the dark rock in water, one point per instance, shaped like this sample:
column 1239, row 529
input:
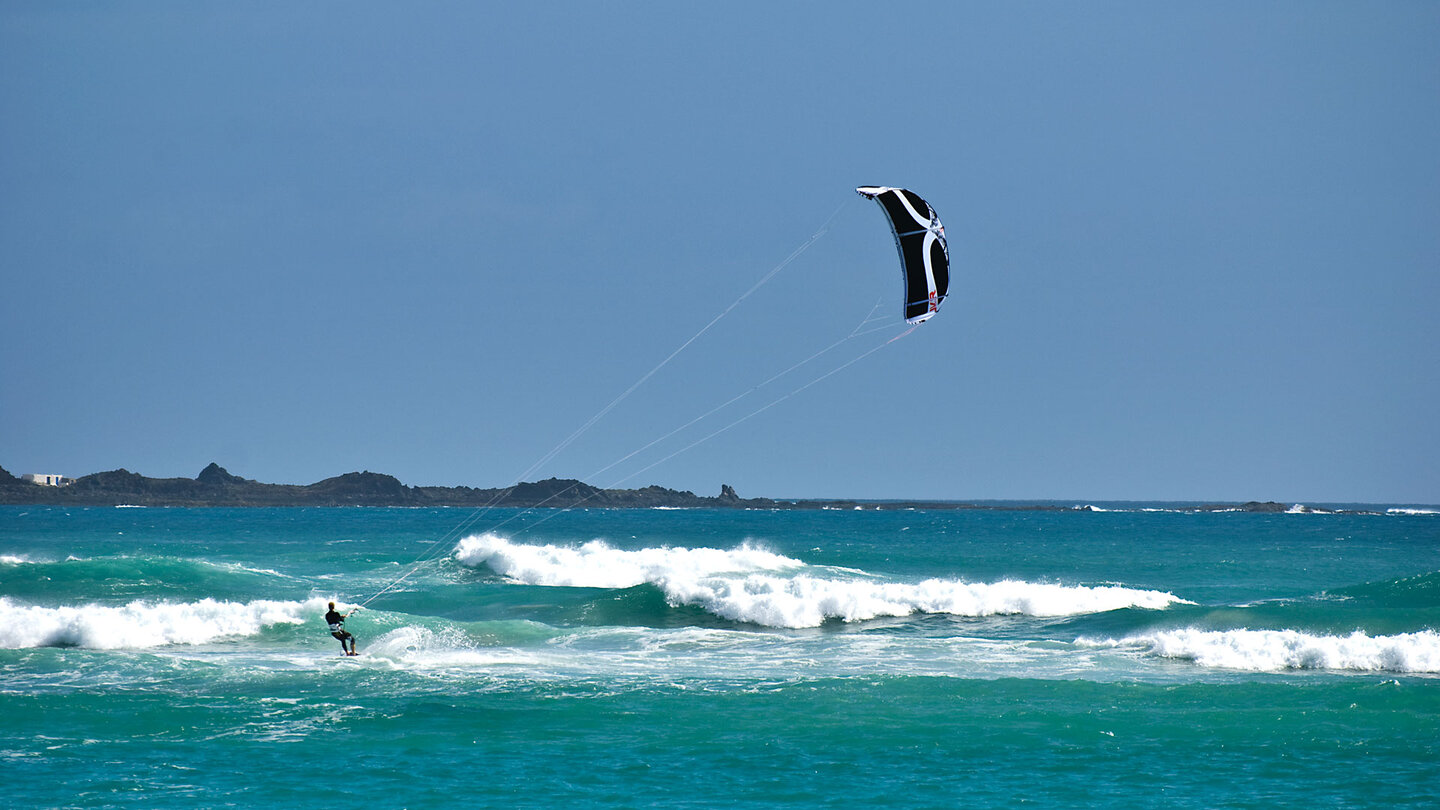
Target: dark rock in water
column 1267, row 506
column 1262, row 507
column 727, row 493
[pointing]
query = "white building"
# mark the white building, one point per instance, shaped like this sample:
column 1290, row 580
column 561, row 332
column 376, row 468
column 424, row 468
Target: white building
column 45, row 480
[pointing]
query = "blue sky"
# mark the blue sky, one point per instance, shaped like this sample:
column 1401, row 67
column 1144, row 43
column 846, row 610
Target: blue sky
column 1196, row 247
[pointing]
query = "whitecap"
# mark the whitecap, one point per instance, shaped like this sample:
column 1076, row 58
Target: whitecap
column 748, row 584
column 142, row 624
column 1276, row 650
column 598, row 565
column 806, row 601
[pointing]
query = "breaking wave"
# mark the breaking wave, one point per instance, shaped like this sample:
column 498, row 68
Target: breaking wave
column 755, row 586
column 597, row 565
column 143, row 624
column 1277, row 650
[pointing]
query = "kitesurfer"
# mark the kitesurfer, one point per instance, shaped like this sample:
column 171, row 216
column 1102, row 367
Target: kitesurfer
column 337, row 629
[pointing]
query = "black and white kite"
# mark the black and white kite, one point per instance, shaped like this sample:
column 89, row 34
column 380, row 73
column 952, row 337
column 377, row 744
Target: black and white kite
column 920, row 237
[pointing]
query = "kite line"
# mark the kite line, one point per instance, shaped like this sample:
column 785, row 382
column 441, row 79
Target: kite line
column 925, row 261
column 435, row 548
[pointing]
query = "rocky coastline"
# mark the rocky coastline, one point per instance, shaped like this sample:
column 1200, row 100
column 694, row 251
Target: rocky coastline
column 215, row 486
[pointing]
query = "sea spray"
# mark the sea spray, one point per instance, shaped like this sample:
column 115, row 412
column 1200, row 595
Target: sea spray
column 141, row 623
column 751, row 585
column 1276, row 650
column 805, row 601
column 597, row 565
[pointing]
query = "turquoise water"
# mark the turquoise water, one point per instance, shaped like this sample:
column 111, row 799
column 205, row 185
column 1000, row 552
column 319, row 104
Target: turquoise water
column 635, row 658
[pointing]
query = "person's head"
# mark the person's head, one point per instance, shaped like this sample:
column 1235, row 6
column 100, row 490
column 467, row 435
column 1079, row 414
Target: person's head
column 332, row 605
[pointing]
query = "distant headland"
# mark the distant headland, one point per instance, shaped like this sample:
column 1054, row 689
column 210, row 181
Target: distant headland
column 214, row 486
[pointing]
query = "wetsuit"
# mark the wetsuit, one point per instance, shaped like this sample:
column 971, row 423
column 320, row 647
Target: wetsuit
column 337, row 629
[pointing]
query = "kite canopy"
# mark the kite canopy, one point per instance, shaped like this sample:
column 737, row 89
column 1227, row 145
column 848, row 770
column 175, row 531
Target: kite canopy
column 924, row 258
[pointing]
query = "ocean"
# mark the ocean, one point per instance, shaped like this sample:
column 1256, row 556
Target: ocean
column 1125, row 655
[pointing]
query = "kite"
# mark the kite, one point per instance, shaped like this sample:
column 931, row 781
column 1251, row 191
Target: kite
column 920, row 238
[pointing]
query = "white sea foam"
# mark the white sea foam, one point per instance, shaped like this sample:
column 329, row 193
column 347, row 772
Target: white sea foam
column 597, row 565
column 1275, row 650
column 752, row 585
column 1411, row 511
column 142, row 624
column 805, row 601
column 14, row 559
column 444, row 648
column 690, row 657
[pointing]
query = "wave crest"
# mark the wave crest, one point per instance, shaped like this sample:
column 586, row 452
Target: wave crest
column 805, row 601
column 1276, row 650
column 758, row 587
column 142, row 624
column 597, row 565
